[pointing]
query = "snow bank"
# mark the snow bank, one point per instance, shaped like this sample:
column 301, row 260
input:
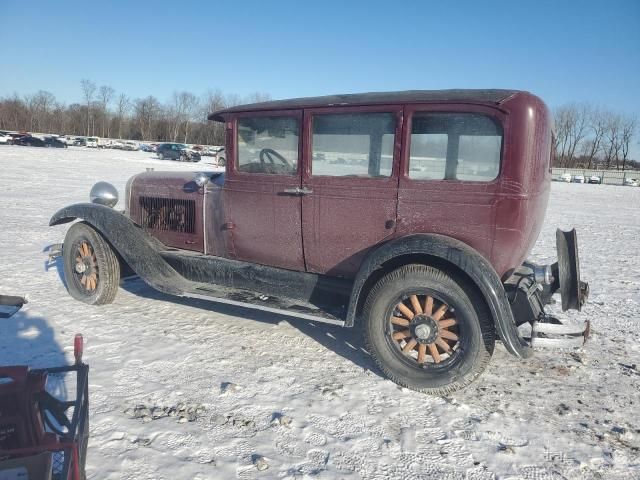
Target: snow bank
column 194, row 390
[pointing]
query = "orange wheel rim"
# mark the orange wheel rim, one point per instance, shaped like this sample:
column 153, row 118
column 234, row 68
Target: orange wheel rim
column 425, row 329
column 86, row 266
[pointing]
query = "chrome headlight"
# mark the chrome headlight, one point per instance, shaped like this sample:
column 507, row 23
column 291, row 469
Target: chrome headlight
column 104, row 193
column 201, row 179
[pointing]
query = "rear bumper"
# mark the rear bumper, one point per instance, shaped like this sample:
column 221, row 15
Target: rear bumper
column 528, row 296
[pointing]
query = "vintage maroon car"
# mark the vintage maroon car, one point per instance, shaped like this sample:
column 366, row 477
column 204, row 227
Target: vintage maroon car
column 408, row 214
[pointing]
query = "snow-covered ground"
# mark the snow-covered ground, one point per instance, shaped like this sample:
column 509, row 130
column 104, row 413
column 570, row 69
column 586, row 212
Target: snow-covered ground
column 240, row 394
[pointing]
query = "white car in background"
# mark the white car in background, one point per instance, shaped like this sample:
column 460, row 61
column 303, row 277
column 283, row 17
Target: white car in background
column 631, row 182
column 578, row 179
column 93, row 142
column 595, row 179
column 5, row 139
column 220, row 157
column 565, row 177
column 130, row 146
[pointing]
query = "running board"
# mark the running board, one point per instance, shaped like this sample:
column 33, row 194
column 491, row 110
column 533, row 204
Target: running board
column 559, row 335
column 257, row 301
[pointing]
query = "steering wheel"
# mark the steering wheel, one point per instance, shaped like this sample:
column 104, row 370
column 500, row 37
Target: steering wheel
column 270, row 154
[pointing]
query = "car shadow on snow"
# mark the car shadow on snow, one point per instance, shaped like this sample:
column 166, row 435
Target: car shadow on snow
column 55, row 262
column 30, row 340
column 346, row 342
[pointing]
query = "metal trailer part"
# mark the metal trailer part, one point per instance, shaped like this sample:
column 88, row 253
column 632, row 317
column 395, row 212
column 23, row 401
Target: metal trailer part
column 9, row 305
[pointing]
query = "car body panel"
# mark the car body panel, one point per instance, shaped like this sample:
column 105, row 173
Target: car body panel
column 344, row 217
column 330, row 230
column 263, row 221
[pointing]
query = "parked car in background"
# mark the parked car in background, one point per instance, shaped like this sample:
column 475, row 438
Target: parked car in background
column 31, row 141
column 595, row 179
column 145, row 147
column 5, row 138
column 54, row 142
column 565, row 177
column 177, row 151
column 631, row 182
column 93, row 142
column 130, row 146
column 80, row 142
column 220, row 157
column 16, row 136
column 578, row 179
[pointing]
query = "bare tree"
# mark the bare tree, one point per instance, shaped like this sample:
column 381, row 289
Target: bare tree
column 88, row 90
column 612, row 139
column 213, row 132
column 146, row 112
column 175, row 114
column 123, row 106
column 105, row 94
column 627, row 130
column 597, row 126
column 571, row 129
column 190, row 102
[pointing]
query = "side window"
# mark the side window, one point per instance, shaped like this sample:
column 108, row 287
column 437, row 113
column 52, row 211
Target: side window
column 455, row 146
column 353, row 144
column 268, row 145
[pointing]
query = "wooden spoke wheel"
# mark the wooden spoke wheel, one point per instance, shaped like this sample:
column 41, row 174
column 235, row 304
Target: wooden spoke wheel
column 427, row 330
column 86, row 267
column 91, row 267
column 424, row 328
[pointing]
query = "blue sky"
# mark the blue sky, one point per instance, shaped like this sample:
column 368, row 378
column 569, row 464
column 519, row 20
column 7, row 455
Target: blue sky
column 562, row 51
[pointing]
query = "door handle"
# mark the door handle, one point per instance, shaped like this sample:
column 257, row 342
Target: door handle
column 297, row 191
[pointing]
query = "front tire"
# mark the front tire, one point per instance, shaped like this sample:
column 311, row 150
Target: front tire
column 428, row 331
column 91, row 267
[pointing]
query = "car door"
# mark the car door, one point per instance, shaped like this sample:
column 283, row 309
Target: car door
column 450, row 180
column 262, row 189
column 350, row 184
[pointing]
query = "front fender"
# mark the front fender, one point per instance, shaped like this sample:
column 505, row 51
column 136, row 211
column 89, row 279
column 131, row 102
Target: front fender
column 134, row 245
column 466, row 259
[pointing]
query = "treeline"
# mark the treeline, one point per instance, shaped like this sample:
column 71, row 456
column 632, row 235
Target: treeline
column 586, row 136
column 105, row 113
column 590, row 137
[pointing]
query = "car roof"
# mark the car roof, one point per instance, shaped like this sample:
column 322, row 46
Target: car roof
column 486, row 96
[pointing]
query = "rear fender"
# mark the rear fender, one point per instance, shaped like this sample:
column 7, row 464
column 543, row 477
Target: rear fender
column 135, row 246
column 464, row 258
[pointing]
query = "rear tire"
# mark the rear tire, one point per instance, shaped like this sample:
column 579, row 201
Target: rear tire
column 463, row 336
column 161, row 155
column 91, row 267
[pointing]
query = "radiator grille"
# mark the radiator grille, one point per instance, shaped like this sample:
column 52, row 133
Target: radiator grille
column 168, row 214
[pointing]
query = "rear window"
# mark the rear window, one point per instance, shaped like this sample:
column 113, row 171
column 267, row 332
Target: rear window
column 454, row 146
